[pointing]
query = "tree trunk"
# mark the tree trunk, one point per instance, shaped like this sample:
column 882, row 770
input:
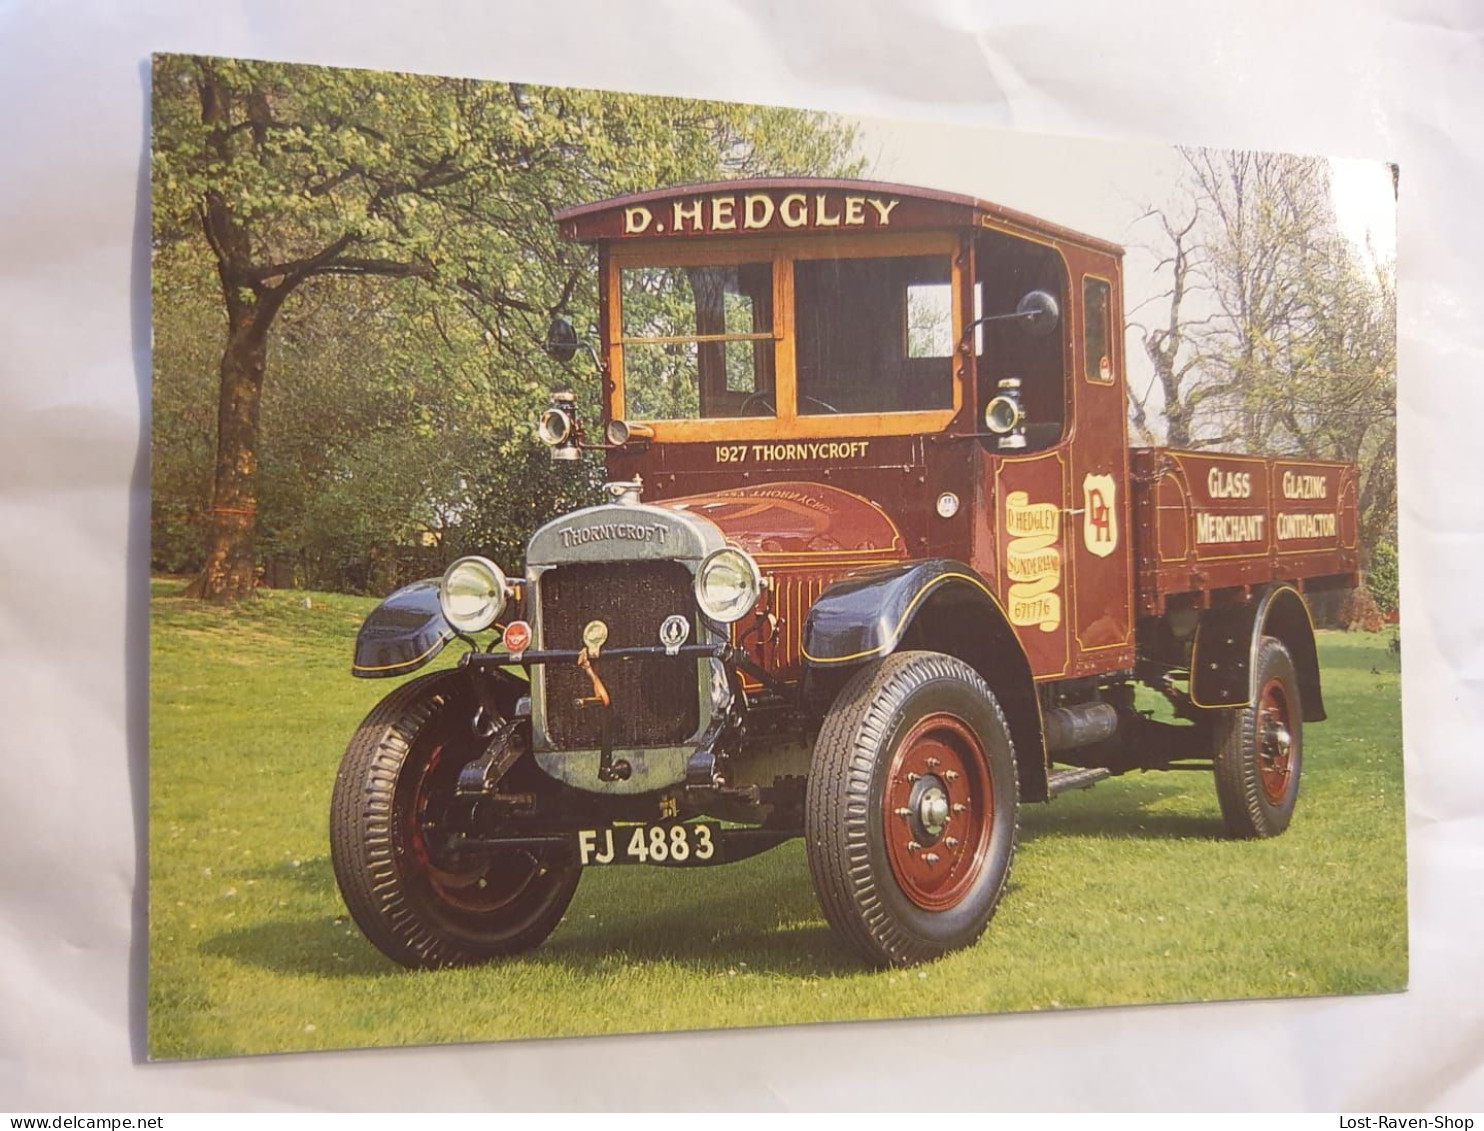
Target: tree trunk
column 1162, row 347
column 1177, row 419
column 229, row 572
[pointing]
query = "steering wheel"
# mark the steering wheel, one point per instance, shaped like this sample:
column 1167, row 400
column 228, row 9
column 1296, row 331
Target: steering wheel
column 761, row 400
column 765, row 399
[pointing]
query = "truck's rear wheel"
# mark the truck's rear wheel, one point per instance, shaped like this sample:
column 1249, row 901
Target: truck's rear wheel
column 1259, row 749
column 910, row 822
column 387, row 817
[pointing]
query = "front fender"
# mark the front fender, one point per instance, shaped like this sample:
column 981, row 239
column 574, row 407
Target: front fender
column 865, row 616
column 938, row 605
column 402, row 633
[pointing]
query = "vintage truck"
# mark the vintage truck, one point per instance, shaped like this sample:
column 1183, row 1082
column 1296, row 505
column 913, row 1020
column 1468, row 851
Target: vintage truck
column 876, row 565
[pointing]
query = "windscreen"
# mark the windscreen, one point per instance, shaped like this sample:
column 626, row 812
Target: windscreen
column 698, row 341
column 874, row 334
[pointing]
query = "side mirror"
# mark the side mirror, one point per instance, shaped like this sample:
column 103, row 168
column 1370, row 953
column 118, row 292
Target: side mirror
column 1041, row 313
column 1038, row 312
column 561, row 340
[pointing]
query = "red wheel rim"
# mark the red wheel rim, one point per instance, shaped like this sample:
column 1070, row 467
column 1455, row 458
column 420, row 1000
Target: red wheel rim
column 939, row 812
column 1274, row 742
column 483, row 884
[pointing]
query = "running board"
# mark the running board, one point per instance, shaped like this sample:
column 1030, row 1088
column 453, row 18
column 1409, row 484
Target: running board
column 1063, row 780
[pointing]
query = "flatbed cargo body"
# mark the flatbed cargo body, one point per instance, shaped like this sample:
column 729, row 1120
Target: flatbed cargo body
column 1209, row 522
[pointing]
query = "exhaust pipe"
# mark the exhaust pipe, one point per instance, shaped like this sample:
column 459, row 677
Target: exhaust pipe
column 1082, row 725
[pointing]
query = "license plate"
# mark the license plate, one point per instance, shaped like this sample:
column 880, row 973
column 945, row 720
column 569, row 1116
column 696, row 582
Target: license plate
column 672, row 846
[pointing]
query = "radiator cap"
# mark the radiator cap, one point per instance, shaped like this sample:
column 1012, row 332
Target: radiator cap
column 625, row 492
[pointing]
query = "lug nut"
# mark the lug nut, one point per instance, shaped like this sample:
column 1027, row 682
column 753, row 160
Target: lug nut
column 932, row 763
column 931, row 857
column 903, row 812
column 913, row 846
column 950, row 775
column 951, row 841
column 960, row 807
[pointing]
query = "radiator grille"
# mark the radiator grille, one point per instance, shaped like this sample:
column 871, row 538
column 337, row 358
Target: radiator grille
column 792, row 595
column 655, row 699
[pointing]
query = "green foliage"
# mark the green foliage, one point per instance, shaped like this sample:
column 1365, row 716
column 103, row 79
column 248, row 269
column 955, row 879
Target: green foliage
column 1382, row 577
column 1281, row 336
column 1123, row 893
column 391, row 235
column 188, row 326
column 663, row 379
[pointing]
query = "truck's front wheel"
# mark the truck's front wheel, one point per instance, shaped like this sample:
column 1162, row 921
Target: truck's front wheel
column 389, row 818
column 910, row 822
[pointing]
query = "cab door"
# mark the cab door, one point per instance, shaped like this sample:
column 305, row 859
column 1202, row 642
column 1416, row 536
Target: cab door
column 1028, row 502
column 1098, row 488
column 1052, row 527
column 1022, row 532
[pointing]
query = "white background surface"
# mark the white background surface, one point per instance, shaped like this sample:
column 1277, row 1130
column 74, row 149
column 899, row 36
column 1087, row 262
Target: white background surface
column 1399, row 80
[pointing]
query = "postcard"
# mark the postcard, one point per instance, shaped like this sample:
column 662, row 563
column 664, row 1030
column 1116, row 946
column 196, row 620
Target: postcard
column 627, row 563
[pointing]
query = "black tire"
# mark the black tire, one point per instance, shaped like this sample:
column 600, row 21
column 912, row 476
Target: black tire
column 877, row 769
column 400, row 765
column 1259, row 749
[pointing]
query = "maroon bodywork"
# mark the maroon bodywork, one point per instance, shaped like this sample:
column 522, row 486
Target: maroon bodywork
column 1217, row 522
column 825, row 198
column 1056, row 533
column 804, row 536
column 908, row 409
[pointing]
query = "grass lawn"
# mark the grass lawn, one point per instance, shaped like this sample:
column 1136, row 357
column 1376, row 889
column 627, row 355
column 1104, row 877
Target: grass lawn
column 1124, row 893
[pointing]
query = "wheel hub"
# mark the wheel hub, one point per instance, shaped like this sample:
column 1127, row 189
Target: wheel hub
column 1274, row 743
column 939, row 812
column 930, row 808
column 479, row 884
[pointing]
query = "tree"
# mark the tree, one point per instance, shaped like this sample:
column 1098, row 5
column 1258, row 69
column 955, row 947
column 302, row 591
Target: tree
column 1271, row 238
column 187, row 353
column 1278, row 337
column 292, row 176
column 1165, row 344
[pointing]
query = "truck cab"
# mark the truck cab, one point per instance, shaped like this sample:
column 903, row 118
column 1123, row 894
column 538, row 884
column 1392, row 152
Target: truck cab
column 876, row 564
column 848, row 339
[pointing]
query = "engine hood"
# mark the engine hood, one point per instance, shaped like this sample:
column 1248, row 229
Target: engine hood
column 628, row 532
column 807, row 523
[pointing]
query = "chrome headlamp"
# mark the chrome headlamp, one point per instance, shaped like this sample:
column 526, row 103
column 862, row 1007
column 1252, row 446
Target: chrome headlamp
column 621, row 432
column 472, row 594
column 554, row 427
column 1001, row 415
column 1005, row 417
column 557, row 428
column 728, row 584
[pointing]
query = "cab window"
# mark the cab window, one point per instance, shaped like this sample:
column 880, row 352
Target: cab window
column 1097, row 339
column 929, row 320
column 1009, row 268
column 873, row 334
column 698, row 341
